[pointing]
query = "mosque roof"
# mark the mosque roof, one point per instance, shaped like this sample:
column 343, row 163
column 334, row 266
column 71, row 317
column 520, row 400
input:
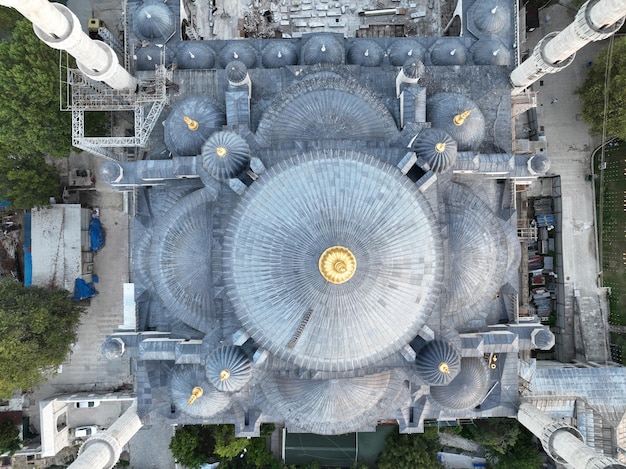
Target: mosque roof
column 112, row 348
column 228, row 368
column 111, row 171
column 402, row 50
column 467, row 390
column 413, row 68
column 322, row 49
column 491, row 52
column 183, row 380
column 279, row 54
column 274, row 254
column 489, row 16
column 438, row 362
column 154, row 20
column 195, row 55
column 236, row 71
column 365, row 53
column 147, row 58
column 238, row 50
column 448, row 51
column 436, row 148
column 225, row 155
column 444, row 111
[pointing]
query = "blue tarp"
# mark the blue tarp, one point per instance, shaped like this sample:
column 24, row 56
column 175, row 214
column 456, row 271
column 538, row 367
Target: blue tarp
column 96, row 234
column 83, row 290
column 28, row 259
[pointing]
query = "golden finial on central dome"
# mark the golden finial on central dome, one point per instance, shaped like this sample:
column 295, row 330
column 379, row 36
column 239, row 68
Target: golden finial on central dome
column 195, row 394
column 337, row 264
column 444, row 368
column 460, row 118
column 191, row 124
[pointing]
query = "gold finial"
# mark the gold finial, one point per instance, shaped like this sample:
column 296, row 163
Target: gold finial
column 195, row 394
column 337, row 264
column 221, row 151
column 224, row 375
column 444, row 368
column 192, row 124
column 440, row 147
column 460, row 118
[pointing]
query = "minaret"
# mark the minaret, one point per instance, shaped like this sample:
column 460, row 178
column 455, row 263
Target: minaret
column 58, row 27
column 596, row 20
column 563, row 442
column 103, row 449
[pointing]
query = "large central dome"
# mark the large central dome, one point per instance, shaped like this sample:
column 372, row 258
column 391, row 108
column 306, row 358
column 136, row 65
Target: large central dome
column 282, row 230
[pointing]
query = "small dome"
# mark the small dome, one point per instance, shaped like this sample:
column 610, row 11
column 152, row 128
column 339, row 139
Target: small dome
column 402, row 50
column 467, row 390
column 195, row 55
column 542, row 338
column 112, row 348
column 449, row 112
column 238, row 50
column 228, row 369
column 539, row 164
column 491, row 52
column 236, row 71
column 489, row 16
column 448, row 51
column 437, row 148
column 147, row 58
column 279, row 54
column 225, row 155
column 111, row 172
column 154, row 20
column 365, row 53
column 188, row 381
column 190, row 123
column 322, row 49
column 413, row 68
column 438, row 363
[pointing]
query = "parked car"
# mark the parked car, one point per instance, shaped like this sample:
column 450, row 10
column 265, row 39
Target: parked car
column 84, row 404
column 86, row 431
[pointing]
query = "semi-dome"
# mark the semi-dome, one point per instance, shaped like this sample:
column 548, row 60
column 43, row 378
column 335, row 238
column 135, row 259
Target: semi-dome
column 436, row 148
column 489, row 16
column 491, row 52
column 146, row 58
column 279, row 54
column 190, row 123
column 238, row 50
column 329, row 309
column 467, row 390
column 413, row 68
column 154, row 20
column 459, row 117
column 195, row 55
column 236, row 71
column 225, row 155
column 539, row 164
column 366, row 53
column 112, row 348
column 193, row 395
column 402, row 50
column 448, row 51
column 437, row 362
column 228, row 369
column 111, row 172
column 322, row 49
column 334, row 406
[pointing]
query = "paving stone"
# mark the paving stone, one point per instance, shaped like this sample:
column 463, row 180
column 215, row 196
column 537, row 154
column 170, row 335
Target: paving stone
column 316, row 24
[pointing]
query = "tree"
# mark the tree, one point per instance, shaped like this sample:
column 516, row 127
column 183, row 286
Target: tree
column 9, row 437
column 37, row 326
column 522, row 455
column 27, row 181
column 29, row 97
column 497, row 435
column 193, row 445
column 592, row 92
column 409, row 451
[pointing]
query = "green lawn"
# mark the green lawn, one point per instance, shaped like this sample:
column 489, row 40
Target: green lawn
column 613, row 194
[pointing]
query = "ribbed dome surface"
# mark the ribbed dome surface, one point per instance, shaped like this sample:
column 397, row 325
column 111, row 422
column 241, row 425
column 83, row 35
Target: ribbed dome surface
column 322, row 49
column 195, row 55
column 335, row 406
column 542, row 338
column 540, row 164
column 225, row 155
column 476, row 241
column 441, row 111
column 467, row 390
column 327, row 108
column 180, row 267
column 238, row 50
column 437, row 148
column 296, row 211
column 365, row 53
column 236, row 71
column 112, row 348
column 402, row 50
column 146, row 58
column 491, row 52
column 448, row 51
column 183, row 141
column 413, row 68
column 228, row 369
column 431, row 359
column 154, row 20
column 111, row 171
column 279, row 54
column 489, row 16
column 183, row 380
